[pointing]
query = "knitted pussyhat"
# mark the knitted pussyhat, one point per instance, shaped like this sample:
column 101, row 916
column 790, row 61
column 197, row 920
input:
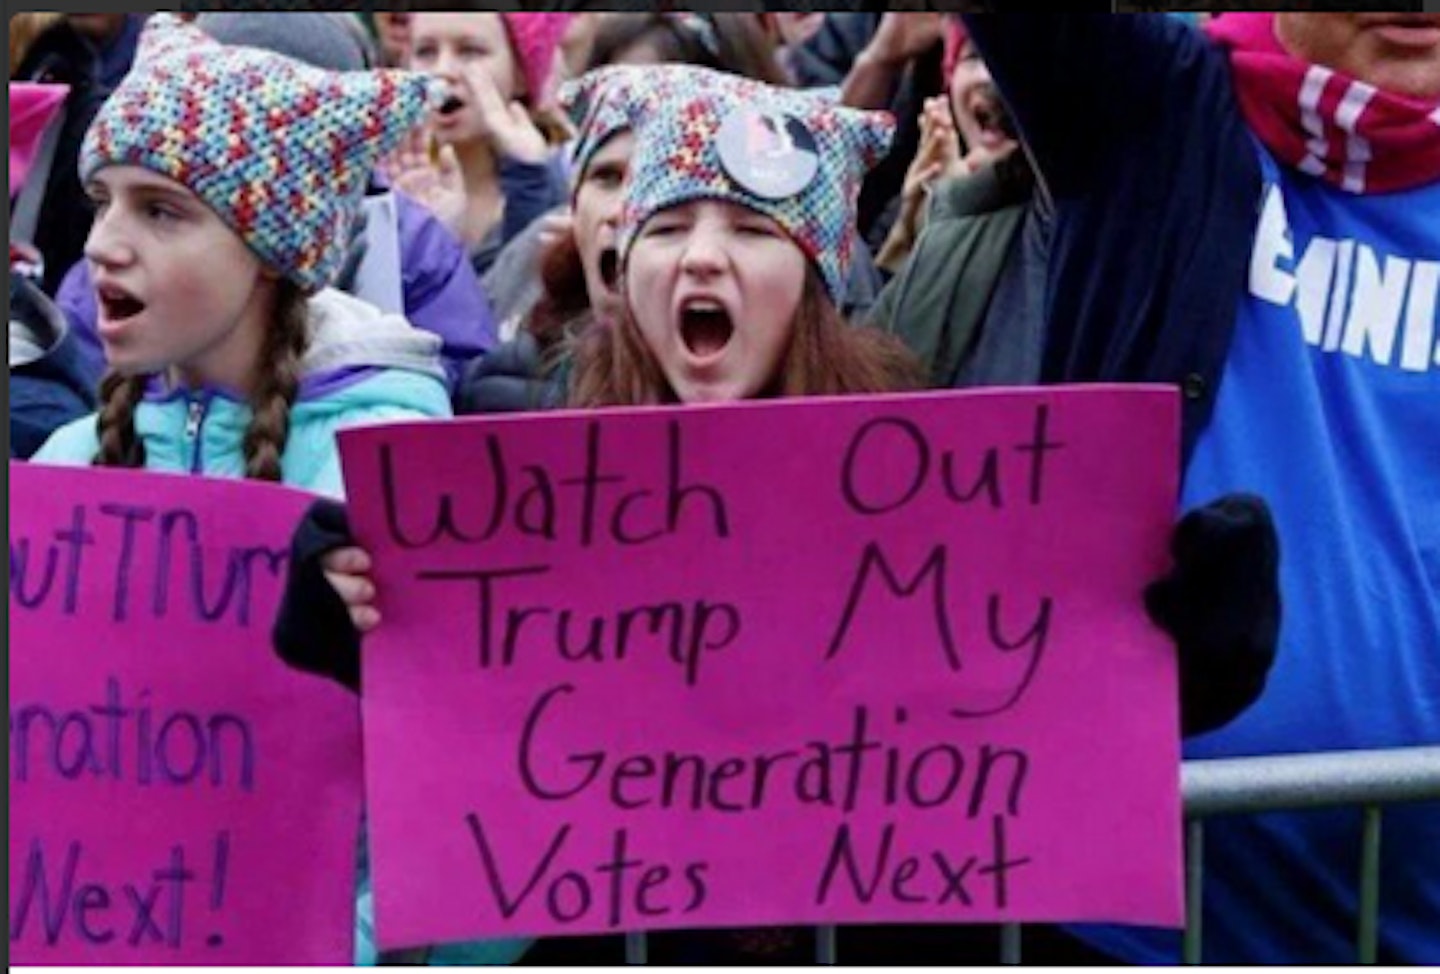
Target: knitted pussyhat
column 595, row 104
column 794, row 157
column 535, row 38
column 280, row 150
column 603, row 102
column 600, row 103
column 32, row 106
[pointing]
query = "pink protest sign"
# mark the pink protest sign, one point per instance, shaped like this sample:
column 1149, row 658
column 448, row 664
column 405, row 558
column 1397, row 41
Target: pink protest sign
column 177, row 794
column 872, row 660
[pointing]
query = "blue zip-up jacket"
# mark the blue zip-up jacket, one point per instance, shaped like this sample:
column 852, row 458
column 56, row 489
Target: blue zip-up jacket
column 361, row 367
column 1137, row 138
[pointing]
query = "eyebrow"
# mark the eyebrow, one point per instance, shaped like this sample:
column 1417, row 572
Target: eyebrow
column 164, row 195
column 146, row 190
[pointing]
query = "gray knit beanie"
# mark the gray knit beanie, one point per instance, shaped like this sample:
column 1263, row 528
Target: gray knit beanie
column 322, row 40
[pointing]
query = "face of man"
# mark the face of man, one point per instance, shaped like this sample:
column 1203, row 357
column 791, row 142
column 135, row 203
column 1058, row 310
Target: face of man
column 1396, row 52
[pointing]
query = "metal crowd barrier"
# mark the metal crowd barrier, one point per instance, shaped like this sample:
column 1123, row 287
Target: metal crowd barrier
column 1368, row 780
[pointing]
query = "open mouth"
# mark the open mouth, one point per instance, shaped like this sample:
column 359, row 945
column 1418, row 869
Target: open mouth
column 991, row 115
column 118, row 305
column 450, row 106
column 705, row 328
column 609, row 266
column 1420, row 32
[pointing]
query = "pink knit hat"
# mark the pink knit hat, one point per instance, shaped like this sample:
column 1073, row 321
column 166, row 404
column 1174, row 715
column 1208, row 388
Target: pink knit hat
column 956, row 35
column 32, row 106
column 535, row 39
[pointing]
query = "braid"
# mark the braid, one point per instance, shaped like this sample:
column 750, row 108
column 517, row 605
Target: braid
column 115, row 425
column 279, row 384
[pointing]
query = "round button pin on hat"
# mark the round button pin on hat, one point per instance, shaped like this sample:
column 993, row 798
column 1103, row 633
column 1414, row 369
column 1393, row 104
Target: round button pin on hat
column 773, row 155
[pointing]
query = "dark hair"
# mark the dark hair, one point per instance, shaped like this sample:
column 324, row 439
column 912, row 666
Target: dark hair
column 732, row 42
column 564, row 305
column 827, row 357
column 275, row 392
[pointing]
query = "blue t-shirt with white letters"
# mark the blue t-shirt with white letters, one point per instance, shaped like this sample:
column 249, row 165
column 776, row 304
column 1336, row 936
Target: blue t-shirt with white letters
column 1329, row 408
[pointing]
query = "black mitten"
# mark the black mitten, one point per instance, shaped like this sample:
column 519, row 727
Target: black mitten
column 507, row 380
column 1221, row 605
column 313, row 631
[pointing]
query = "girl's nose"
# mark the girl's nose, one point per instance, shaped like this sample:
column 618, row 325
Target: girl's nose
column 105, row 245
column 704, row 251
column 610, row 218
column 447, row 65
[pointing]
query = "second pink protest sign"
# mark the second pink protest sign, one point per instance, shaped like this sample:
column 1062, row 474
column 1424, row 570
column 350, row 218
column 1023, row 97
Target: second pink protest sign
column 177, row 794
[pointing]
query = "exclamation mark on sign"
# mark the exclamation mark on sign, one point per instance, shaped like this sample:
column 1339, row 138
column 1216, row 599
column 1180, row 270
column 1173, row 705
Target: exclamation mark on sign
column 217, row 885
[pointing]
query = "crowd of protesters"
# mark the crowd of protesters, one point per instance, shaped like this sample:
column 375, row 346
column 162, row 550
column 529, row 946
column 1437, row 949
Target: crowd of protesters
column 234, row 236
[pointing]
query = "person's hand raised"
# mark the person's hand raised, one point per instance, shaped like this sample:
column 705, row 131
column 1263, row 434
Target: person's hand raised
column 507, row 125
column 902, row 37
column 437, row 184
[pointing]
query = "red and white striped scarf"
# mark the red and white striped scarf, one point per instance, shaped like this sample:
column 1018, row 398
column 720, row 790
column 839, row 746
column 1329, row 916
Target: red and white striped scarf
column 1349, row 133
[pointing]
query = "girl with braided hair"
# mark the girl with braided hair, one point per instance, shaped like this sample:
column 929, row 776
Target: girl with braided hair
column 225, row 182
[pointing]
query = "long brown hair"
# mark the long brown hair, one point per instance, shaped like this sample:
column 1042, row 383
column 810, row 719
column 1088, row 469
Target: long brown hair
column 275, row 392
column 564, row 303
column 827, row 357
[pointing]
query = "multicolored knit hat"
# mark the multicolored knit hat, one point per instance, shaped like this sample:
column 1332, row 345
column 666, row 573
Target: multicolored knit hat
column 789, row 155
column 600, row 104
column 595, row 103
column 535, row 38
column 280, row 150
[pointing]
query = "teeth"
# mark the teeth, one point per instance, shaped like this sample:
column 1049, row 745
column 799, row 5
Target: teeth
column 704, row 305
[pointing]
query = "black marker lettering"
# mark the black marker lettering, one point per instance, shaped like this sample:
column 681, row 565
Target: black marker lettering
column 933, row 571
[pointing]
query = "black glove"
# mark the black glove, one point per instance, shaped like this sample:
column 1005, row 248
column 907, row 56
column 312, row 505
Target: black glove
column 1221, row 605
column 313, row 631
column 507, row 380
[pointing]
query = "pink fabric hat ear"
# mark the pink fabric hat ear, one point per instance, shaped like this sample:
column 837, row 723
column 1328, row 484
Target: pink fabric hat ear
column 955, row 37
column 32, row 106
column 535, row 39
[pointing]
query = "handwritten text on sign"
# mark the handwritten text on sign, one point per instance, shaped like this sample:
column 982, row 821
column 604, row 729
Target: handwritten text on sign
column 872, row 660
column 176, row 794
